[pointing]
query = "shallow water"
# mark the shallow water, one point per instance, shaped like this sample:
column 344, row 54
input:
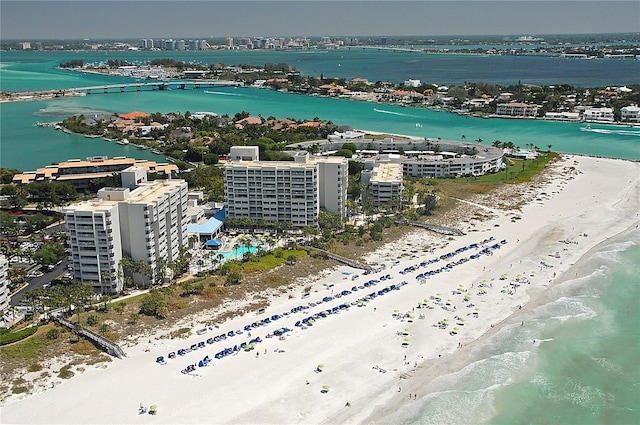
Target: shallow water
column 582, row 368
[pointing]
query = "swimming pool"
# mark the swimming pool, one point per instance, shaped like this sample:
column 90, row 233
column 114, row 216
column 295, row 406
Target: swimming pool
column 238, row 252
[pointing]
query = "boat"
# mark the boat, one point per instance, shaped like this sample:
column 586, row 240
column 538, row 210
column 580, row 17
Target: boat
column 587, row 128
column 123, row 142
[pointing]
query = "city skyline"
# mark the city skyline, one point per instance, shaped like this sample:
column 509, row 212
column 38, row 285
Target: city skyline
column 87, row 19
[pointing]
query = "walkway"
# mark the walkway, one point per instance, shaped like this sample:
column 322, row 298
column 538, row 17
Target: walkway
column 443, row 230
column 111, row 347
column 344, row 260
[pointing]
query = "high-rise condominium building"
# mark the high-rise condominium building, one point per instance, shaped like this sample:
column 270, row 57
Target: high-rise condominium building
column 4, row 284
column 145, row 221
column 284, row 191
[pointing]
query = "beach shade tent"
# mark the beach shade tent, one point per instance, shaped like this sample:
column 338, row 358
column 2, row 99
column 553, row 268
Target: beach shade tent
column 320, row 367
column 325, row 389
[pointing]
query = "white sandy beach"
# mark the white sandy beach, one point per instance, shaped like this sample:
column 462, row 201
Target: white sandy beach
column 365, row 363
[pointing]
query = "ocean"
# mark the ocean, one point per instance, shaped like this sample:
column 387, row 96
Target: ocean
column 585, row 370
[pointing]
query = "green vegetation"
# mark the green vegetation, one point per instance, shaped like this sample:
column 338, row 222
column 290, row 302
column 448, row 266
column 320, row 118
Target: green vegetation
column 66, row 372
column 30, row 348
column 50, row 253
column 8, row 337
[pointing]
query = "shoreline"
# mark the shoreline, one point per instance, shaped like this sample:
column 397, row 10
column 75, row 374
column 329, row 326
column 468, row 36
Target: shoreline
column 371, row 97
column 357, row 343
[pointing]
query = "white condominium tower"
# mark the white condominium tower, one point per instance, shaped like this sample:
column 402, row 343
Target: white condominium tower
column 283, row 191
column 4, row 284
column 145, row 221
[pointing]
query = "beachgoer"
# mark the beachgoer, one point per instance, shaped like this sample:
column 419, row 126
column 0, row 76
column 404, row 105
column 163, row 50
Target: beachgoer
column 307, row 382
column 399, row 389
column 347, row 404
column 415, row 396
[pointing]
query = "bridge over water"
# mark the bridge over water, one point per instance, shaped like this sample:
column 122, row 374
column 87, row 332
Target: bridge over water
column 137, row 86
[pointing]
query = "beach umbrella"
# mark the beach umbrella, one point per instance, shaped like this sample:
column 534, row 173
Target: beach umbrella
column 153, row 407
column 320, row 366
column 407, row 339
column 477, row 309
column 406, row 329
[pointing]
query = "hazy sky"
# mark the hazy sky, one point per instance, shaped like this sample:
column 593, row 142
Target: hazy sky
column 25, row 19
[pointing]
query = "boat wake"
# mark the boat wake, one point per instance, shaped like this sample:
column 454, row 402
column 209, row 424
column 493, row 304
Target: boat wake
column 382, row 111
column 224, row 94
column 607, row 131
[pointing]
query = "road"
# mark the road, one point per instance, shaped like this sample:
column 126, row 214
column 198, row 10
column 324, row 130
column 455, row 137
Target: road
column 38, row 282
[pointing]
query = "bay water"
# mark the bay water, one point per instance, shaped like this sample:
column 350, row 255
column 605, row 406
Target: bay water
column 585, row 370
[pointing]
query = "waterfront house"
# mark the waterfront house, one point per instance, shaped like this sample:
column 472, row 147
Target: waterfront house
column 517, row 109
column 630, row 113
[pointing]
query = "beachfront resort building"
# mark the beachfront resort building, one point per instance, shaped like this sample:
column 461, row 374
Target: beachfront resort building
column 4, row 284
column 79, row 173
column 384, row 183
column 144, row 220
column 517, row 109
column 284, row 191
column 421, row 157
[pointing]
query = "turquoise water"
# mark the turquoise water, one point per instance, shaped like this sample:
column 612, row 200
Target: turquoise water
column 26, row 69
column 26, row 146
column 237, row 253
column 19, row 133
column 584, row 371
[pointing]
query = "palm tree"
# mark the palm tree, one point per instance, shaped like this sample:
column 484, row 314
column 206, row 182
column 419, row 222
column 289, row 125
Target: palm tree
column 549, row 149
column 235, row 248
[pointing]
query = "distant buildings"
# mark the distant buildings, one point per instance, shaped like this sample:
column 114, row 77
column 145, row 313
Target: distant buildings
column 598, row 114
column 412, row 83
column 630, row 113
column 144, row 220
column 517, row 109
